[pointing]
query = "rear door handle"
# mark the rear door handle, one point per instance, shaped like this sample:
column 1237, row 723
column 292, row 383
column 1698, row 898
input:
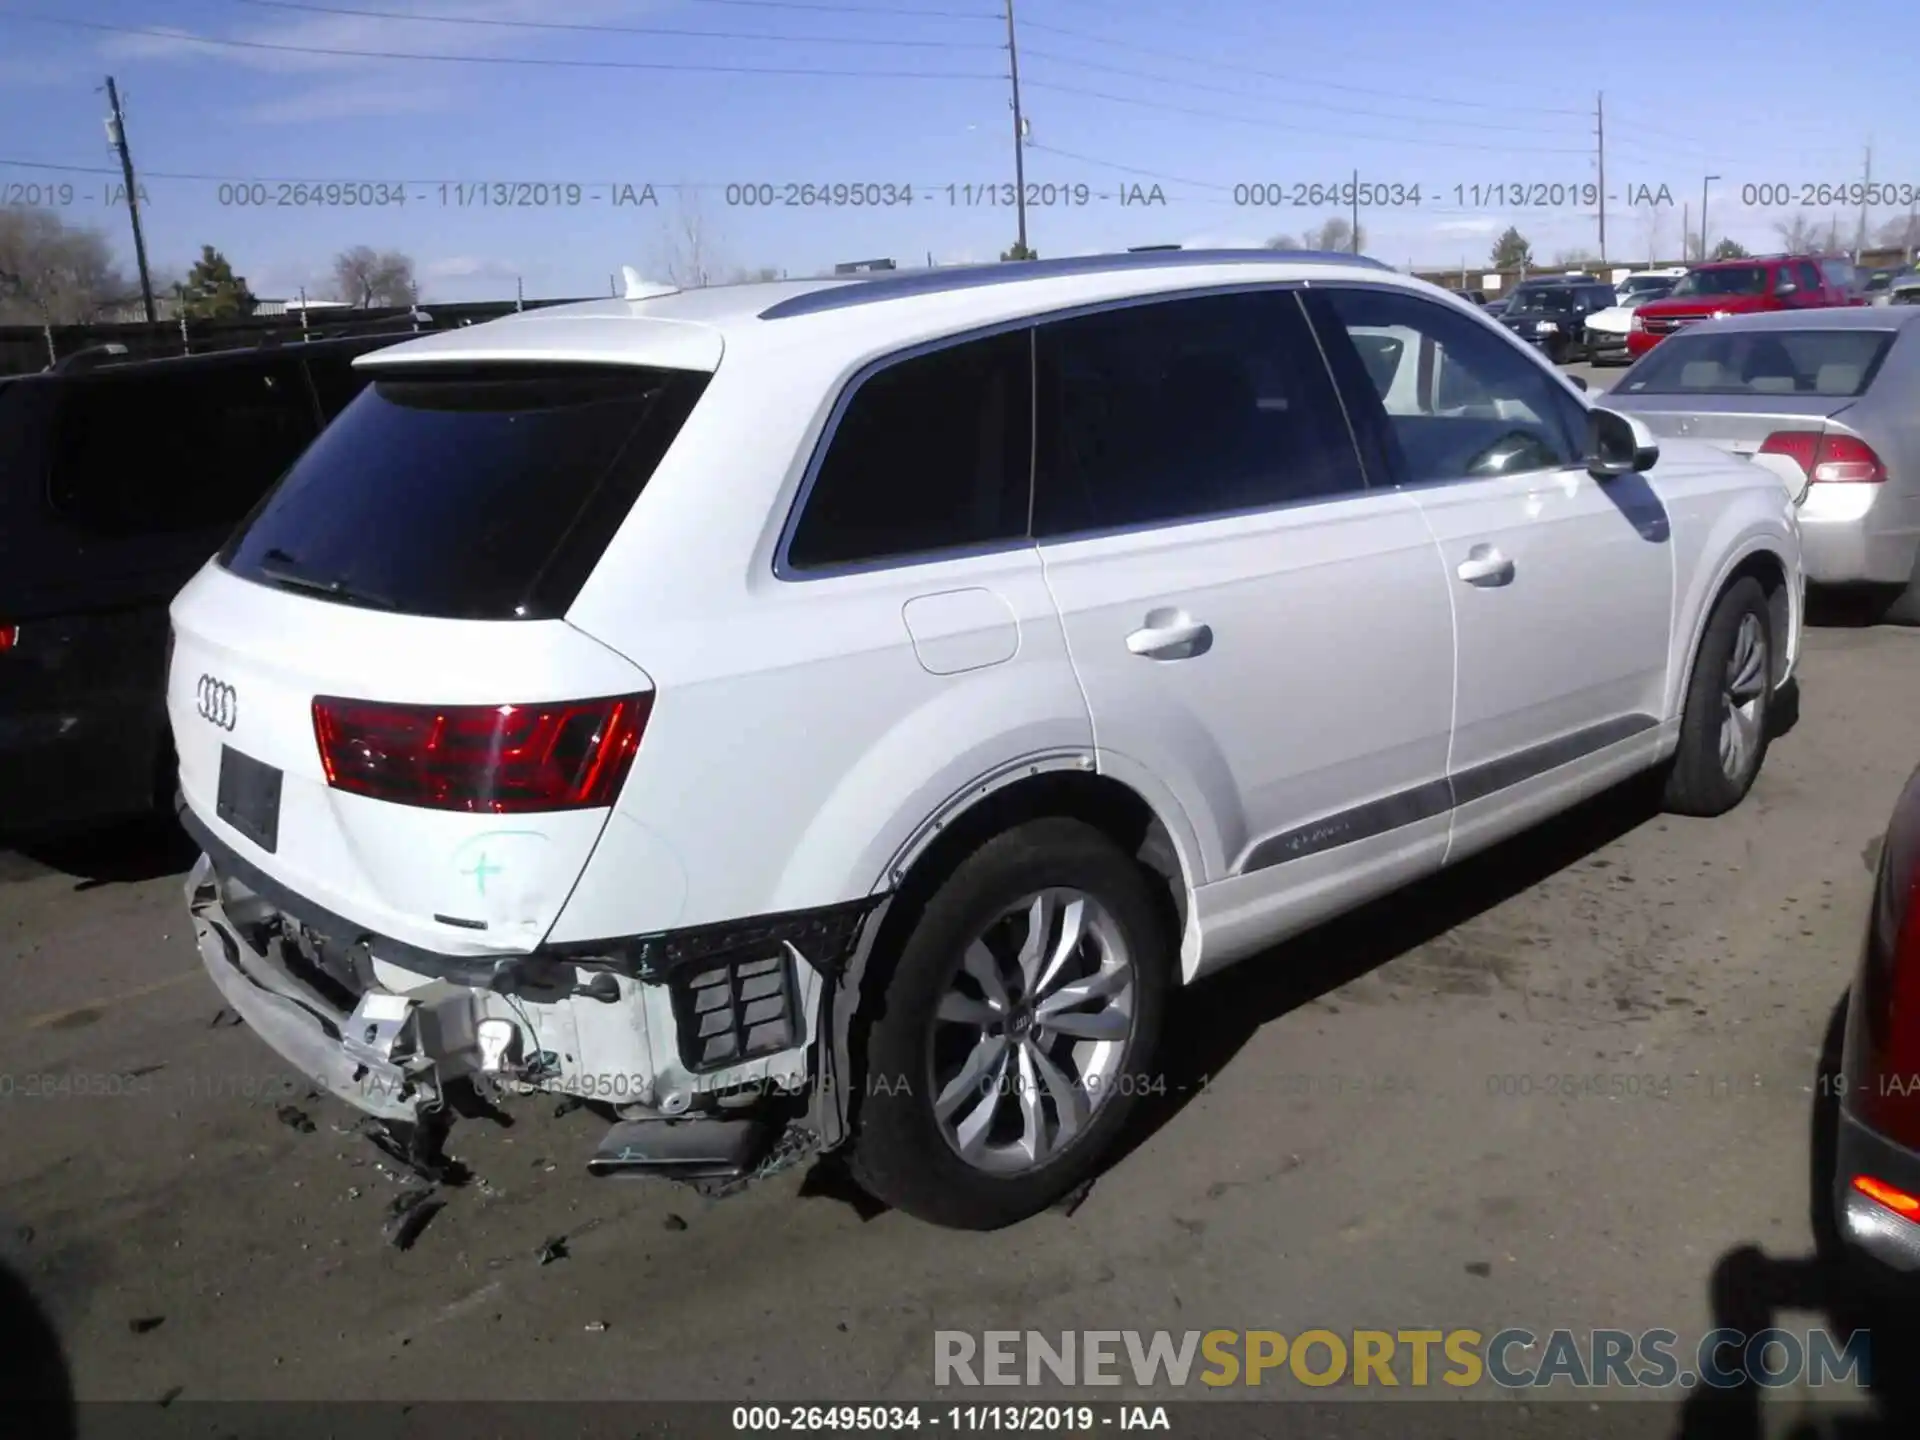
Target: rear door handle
column 1485, row 565
column 1170, row 635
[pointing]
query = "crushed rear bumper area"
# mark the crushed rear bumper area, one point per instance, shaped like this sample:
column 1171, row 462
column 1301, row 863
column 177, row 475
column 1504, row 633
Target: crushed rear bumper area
column 708, row 1068
column 306, row 1026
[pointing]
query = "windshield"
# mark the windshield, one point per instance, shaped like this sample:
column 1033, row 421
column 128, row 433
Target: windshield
column 485, row 492
column 1733, row 280
column 1555, row 298
column 1839, row 363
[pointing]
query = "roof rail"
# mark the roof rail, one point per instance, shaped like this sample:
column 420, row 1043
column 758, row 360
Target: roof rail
column 88, row 358
column 967, row 277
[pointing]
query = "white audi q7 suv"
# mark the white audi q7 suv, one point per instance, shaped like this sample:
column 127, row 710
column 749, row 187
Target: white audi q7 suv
column 834, row 715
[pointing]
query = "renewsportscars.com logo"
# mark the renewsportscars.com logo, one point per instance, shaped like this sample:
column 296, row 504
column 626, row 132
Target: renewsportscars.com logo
column 1511, row 1359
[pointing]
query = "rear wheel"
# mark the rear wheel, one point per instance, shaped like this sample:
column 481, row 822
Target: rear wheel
column 1724, row 727
column 1017, row 1030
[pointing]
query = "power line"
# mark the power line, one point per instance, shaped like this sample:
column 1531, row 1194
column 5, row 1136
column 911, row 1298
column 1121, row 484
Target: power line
column 1164, row 54
column 520, row 60
column 1127, row 169
column 1162, row 79
column 871, row 12
column 661, row 30
column 1295, row 129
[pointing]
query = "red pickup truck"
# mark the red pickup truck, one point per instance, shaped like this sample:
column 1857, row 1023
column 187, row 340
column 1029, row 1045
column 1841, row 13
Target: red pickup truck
column 1741, row 287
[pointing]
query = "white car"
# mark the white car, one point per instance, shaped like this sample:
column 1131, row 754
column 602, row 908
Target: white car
column 837, row 714
column 1605, row 332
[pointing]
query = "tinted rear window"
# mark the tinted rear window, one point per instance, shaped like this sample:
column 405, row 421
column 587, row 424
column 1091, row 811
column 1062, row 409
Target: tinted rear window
column 1840, row 363
column 483, row 492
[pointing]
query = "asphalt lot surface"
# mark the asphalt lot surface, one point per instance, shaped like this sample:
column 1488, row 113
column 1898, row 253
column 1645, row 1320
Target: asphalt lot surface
column 1365, row 1128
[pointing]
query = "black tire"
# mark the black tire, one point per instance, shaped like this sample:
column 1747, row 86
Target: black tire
column 1698, row 783
column 899, row 1153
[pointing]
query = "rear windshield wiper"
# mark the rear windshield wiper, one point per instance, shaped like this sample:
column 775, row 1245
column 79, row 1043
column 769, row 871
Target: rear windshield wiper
column 279, row 567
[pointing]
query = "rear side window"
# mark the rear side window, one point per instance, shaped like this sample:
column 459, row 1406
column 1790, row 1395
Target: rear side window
column 185, row 449
column 1181, row 409
column 1762, row 362
column 476, row 492
column 931, row 453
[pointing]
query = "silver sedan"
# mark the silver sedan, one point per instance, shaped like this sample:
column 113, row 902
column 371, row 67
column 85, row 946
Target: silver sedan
column 1830, row 400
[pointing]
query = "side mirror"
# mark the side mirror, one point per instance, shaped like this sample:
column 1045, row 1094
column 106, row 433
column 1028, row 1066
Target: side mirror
column 1618, row 444
column 1785, row 287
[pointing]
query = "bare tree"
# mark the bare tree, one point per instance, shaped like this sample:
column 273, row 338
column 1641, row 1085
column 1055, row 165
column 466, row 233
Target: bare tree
column 1336, row 233
column 689, row 253
column 1902, row 232
column 1576, row 257
column 1285, row 242
column 369, row 278
column 1801, row 233
column 1653, row 225
column 52, row 273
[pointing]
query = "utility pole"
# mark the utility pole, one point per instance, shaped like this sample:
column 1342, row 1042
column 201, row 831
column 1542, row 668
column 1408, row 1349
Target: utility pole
column 1600, row 150
column 1019, row 133
column 117, row 135
column 1705, row 181
column 1860, row 238
column 1686, row 230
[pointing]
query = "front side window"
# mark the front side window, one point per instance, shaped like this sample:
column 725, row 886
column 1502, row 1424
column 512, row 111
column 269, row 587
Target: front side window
column 1187, row 408
column 931, row 454
column 1464, row 402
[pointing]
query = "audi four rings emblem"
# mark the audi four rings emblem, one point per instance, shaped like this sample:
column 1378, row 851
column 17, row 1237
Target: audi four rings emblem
column 218, row 702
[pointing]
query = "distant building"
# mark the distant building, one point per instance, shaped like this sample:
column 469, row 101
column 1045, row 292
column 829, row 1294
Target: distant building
column 857, row 267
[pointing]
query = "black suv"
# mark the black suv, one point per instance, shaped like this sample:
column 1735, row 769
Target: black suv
column 117, row 481
column 1551, row 312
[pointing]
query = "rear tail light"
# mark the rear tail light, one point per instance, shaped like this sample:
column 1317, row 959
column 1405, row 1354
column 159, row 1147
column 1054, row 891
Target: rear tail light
column 1895, row 1199
column 1884, row 1064
column 1828, row 458
column 9, row 637
column 494, row 759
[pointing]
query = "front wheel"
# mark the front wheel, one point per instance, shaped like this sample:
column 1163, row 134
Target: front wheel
column 1017, row 1031
column 1724, row 727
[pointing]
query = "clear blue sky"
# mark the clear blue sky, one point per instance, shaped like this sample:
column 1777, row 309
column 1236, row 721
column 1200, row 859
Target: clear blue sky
column 1194, row 96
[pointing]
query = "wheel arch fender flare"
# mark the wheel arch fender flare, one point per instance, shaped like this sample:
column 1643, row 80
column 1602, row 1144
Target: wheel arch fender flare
column 1760, row 549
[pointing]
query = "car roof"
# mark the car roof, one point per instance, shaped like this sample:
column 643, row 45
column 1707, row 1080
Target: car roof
column 1838, row 317
column 693, row 328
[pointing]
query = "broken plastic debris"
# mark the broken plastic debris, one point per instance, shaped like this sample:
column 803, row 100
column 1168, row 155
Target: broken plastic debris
column 142, row 1324
column 674, row 1222
column 554, row 1249
column 223, row 1018
column 294, row 1118
column 594, row 1327
column 408, row 1215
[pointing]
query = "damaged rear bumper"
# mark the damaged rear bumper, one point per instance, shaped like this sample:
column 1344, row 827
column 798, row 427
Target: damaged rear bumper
column 304, row 1026
column 692, row 1039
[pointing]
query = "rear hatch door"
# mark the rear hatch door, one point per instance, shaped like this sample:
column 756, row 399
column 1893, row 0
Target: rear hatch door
column 377, row 700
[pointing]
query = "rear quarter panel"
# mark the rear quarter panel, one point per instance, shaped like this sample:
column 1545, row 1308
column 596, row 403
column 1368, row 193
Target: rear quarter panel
column 1722, row 510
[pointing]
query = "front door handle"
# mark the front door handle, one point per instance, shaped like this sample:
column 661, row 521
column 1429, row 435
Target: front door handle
column 1485, row 565
column 1170, row 635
